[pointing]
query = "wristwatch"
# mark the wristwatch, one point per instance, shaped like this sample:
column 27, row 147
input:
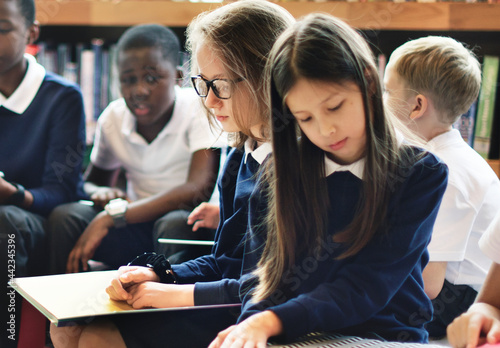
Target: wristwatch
column 116, row 208
column 17, row 198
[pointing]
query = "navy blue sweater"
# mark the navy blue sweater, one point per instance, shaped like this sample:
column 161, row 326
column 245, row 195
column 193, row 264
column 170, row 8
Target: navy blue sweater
column 43, row 148
column 215, row 274
column 380, row 289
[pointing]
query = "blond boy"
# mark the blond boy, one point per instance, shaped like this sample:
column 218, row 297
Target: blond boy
column 429, row 83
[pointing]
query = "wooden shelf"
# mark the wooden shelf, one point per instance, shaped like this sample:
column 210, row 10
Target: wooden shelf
column 495, row 165
column 367, row 16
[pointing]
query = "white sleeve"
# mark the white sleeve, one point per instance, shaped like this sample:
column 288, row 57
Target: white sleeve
column 102, row 155
column 490, row 241
column 201, row 134
column 452, row 228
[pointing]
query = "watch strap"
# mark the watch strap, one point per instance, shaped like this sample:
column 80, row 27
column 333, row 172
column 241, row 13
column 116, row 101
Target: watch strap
column 119, row 220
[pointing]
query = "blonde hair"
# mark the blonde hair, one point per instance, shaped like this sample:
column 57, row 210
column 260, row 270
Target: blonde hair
column 242, row 34
column 441, row 68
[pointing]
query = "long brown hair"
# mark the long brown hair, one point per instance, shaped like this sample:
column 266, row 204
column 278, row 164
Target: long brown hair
column 321, row 48
column 242, row 35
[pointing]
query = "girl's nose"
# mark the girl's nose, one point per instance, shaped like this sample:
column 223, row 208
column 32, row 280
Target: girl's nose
column 211, row 100
column 326, row 128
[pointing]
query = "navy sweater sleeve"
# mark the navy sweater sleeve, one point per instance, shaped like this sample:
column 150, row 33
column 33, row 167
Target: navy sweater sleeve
column 48, row 141
column 378, row 289
column 215, row 274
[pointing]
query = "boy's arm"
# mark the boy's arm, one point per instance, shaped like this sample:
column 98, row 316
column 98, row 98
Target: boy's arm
column 491, row 289
column 434, row 275
column 198, row 188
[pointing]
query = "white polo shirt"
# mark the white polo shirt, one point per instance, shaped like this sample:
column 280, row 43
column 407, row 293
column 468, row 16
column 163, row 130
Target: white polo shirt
column 490, row 241
column 470, row 203
column 164, row 163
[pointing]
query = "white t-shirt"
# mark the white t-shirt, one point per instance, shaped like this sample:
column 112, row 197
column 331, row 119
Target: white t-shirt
column 164, row 163
column 490, row 241
column 469, row 204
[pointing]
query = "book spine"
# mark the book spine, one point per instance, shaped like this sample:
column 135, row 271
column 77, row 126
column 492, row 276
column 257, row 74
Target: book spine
column 96, row 45
column 486, row 106
column 87, row 87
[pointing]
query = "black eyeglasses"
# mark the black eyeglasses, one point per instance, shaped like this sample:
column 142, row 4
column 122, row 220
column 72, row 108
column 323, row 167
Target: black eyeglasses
column 222, row 88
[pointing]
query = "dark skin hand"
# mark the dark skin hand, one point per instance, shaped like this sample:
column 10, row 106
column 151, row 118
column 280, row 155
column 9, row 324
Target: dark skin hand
column 198, row 188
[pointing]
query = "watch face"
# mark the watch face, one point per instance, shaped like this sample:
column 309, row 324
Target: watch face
column 116, row 206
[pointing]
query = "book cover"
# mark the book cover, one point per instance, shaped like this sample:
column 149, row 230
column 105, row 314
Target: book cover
column 486, row 106
column 63, row 57
column 87, row 86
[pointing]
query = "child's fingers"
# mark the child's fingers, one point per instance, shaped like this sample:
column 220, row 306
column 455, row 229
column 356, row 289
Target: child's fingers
column 476, row 324
column 199, row 224
column 493, row 335
column 196, row 214
column 116, row 291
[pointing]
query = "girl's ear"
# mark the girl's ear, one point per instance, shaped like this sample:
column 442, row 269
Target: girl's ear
column 33, row 33
column 420, row 106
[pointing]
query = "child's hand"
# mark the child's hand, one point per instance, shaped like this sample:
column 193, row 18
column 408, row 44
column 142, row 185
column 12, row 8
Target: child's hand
column 465, row 331
column 104, row 194
column 88, row 242
column 128, row 276
column 250, row 333
column 205, row 215
column 159, row 295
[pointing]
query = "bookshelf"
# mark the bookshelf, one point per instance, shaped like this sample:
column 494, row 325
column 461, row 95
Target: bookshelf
column 386, row 24
column 369, row 15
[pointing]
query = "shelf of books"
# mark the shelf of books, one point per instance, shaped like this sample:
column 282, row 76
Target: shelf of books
column 384, row 15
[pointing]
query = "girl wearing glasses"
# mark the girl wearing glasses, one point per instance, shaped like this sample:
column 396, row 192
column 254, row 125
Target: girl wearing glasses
column 229, row 47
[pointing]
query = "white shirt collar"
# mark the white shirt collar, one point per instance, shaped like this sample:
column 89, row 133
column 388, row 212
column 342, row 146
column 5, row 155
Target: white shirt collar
column 24, row 94
column 260, row 153
column 129, row 125
column 355, row 168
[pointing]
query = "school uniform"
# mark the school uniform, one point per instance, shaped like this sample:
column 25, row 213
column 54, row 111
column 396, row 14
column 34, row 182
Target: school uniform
column 490, row 241
column 150, row 168
column 215, row 275
column 469, row 204
column 379, row 291
column 42, row 144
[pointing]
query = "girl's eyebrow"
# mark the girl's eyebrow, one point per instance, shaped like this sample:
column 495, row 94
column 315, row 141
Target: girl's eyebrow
column 216, row 76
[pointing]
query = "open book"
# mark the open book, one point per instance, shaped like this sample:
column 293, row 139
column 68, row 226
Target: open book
column 79, row 297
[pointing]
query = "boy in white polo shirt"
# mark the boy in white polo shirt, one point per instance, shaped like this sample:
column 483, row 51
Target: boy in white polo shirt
column 429, row 83
column 157, row 133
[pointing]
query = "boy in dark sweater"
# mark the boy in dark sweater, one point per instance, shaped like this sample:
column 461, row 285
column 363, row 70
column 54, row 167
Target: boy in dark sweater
column 42, row 141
